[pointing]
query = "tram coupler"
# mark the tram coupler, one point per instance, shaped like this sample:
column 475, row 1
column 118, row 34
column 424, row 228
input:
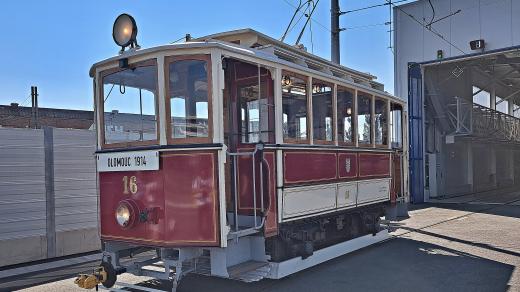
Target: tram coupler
column 104, row 274
column 90, row 281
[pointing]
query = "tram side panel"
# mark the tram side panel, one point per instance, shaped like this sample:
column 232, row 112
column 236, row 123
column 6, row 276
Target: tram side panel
column 176, row 205
column 325, row 181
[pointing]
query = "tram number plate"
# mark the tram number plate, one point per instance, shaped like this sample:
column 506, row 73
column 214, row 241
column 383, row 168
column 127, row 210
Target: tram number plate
column 128, row 161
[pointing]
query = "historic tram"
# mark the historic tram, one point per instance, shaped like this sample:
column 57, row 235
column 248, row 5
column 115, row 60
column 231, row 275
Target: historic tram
column 239, row 156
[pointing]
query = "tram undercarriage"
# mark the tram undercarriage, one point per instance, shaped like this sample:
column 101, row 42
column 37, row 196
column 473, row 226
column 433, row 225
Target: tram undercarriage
column 304, row 236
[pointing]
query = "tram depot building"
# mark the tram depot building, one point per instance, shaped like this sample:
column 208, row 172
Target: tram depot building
column 461, row 75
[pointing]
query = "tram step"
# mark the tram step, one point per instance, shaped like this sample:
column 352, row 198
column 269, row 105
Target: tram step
column 249, row 271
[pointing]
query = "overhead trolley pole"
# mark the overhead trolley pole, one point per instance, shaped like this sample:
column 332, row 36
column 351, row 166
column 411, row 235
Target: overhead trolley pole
column 334, row 30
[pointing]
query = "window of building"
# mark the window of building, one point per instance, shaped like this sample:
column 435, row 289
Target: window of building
column 502, row 105
column 294, row 106
column 381, row 121
column 322, row 111
column 481, row 97
column 345, row 99
column 188, row 96
column 364, row 118
column 516, row 111
column 129, row 104
column 396, row 125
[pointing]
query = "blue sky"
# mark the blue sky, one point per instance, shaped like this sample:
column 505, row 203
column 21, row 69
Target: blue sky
column 52, row 44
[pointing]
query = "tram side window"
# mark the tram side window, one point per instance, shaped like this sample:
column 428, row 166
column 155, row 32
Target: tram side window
column 294, row 100
column 129, row 105
column 188, row 93
column 322, row 111
column 345, row 112
column 396, row 124
column 364, row 118
column 381, row 122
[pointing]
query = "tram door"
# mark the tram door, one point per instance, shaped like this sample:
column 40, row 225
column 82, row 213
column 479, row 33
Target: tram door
column 249, row 121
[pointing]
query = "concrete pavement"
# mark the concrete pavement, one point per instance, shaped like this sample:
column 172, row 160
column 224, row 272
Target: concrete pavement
column 465, row 245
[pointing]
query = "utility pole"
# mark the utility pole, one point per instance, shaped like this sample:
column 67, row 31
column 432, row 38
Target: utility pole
column 334, row 30
column 34, row 107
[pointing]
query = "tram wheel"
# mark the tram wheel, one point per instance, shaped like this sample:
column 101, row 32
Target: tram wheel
column 111, row 274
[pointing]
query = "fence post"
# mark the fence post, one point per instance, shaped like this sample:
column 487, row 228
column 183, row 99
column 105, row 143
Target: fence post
column 48, row 144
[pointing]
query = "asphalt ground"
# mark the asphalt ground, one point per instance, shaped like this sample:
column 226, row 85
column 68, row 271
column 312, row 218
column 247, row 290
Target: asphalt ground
column 460, row 244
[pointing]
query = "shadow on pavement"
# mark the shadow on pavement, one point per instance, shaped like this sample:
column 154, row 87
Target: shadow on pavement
column 397, row 265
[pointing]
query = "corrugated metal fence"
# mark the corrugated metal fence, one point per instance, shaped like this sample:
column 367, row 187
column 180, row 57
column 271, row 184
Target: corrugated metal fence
column 48, row 200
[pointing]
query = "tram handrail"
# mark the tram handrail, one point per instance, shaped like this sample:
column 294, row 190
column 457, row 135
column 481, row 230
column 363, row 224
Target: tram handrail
column 258, row 148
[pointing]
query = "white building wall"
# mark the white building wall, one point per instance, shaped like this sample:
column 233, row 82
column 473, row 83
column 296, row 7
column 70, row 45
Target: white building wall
column 494, row 21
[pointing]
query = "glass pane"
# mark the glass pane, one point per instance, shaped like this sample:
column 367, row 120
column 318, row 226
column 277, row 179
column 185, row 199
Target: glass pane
column 294, row 100
column 345, row 111
column 254, row 113
column 516, row 111
column 129, row 105
column 381, row 122
column 322, row 111
column 364, row 118
column 482, row 97
column 188, row 92
column 396, row 116
column 502, row 105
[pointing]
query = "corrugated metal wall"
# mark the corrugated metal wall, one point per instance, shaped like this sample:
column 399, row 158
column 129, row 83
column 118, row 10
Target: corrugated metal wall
column 48, row 200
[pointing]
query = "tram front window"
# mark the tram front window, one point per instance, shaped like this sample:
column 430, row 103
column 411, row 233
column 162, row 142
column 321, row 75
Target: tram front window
column 188, row 94
column 129, row 104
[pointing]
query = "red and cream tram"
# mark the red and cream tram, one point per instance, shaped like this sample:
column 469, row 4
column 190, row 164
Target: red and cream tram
column 239, row 156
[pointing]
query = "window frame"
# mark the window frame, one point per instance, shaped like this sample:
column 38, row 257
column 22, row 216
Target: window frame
column 402, row 126
column 101, row 106
column 372, row 119
column 331, row 85
column 169, row 129
column 270, row 99
column 353, row 114
column 309, row 106
column 387, row 113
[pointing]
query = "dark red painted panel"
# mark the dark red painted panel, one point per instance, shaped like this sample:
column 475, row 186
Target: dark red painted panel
column 190, row 188
column 396, row 177
column 245, row 186
column 347, row 165
column 309, row 166
column 374, row 165
column 183, row 193
column 149, row 195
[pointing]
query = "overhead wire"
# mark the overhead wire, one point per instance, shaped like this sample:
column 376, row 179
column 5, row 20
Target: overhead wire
column 426, row 27
column 312, row 19
column 433, row 13
column 370, row 7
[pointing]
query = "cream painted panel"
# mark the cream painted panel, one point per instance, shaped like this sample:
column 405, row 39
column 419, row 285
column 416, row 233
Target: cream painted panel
column 347, row 194
column 373, row 190
column 304, row 200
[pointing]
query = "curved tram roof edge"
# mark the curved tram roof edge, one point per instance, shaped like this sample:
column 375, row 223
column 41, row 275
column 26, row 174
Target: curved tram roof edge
column 249, row 52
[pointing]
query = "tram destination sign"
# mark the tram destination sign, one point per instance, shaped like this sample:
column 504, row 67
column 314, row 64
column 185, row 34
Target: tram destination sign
column 128, row 161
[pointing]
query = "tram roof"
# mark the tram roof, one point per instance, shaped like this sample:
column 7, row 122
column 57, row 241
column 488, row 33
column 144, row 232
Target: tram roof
column 253, row 43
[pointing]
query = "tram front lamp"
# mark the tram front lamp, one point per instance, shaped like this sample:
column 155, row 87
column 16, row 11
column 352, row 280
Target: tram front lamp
column 125, row 214
column 124, row 31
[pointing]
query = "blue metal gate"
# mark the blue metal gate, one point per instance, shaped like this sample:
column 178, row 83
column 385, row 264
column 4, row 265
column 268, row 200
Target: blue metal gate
column 415, row 111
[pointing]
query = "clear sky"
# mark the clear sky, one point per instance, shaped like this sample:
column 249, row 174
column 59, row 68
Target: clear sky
column 52, row 44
